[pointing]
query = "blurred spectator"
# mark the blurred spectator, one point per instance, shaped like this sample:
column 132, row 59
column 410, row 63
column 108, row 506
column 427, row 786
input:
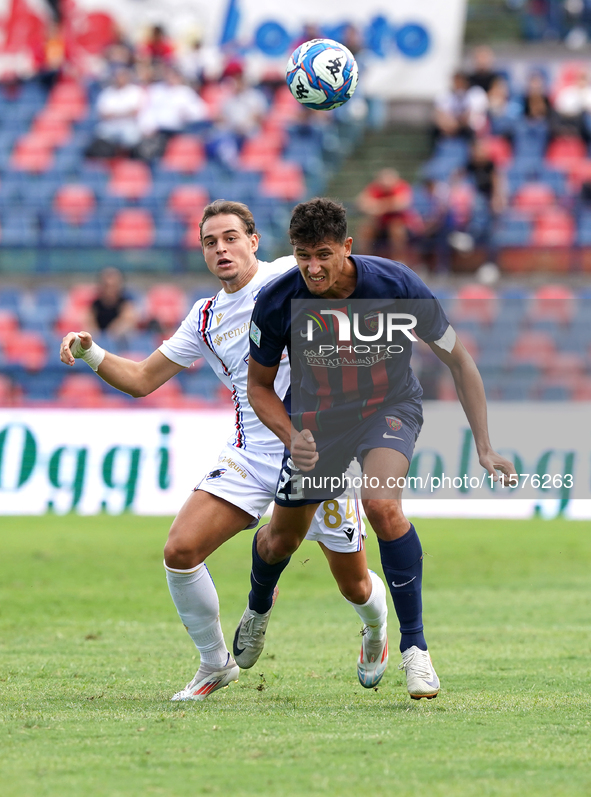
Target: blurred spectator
column 170, row 106
column 536, row 104
column 571, row 104
column 240, row 117
column 503, row 111
column 118, row 106
column 386, row 203
column 158, row 48
column 462, row 110
column 484, row 176
column 200, row 64
column 430, row 201
column 117, row 55
column 112, row 311
column 54, row 52
column 483, row 73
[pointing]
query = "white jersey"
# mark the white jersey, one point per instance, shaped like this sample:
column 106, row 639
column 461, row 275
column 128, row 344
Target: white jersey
column 218, row 330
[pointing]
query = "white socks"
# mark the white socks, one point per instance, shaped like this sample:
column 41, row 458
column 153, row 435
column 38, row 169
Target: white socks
column 194, row 595
column 374, row 612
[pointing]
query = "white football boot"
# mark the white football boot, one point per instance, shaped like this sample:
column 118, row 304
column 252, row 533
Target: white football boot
column 209, row 679
column 373, row 659
column 421, row 678
column 249, row 639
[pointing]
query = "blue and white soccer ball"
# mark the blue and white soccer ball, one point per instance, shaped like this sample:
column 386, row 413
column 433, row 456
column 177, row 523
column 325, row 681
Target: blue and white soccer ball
column 322, row 74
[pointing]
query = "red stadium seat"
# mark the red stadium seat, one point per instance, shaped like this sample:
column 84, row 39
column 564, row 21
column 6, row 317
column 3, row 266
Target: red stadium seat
column 26, row 348
column 193, row 234
column 581, row 174
column 81, row 296
column 8, row 325
column 75, row 311
column 285, row 106
column 537, row 348
column 130, row 179
column 554, row 227
column 6, row 392
column 261, row 152
column 56, row 132
column 498, row 150
column 566, row 152
column 132, row 227
column 553, row 303
column 32, row 153
column 284, row 180
column 81, row 391
column 166, row 304
column 170, row 394
column 475, row 303
column 183, row 154
column 188, row 201
column 75, row 202
column 534, row 197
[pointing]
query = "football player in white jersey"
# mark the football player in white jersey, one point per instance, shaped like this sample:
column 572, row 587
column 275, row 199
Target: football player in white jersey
column 240, row 486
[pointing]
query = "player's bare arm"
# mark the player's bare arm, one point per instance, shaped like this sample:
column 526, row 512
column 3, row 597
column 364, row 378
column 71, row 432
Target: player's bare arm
column 135, row 378
column 470, row 390
column 271, row 411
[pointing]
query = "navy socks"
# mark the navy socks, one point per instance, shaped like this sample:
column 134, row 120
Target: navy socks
column 402, row 562
column 263, row 580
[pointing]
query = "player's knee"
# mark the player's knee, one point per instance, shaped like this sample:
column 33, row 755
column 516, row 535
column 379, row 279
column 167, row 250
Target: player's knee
column 357, row 592
column 386, row 517
column 179, row 554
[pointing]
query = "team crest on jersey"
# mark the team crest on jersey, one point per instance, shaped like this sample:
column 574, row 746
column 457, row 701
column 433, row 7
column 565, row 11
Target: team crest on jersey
column 255, row 334
column 218, row 318
column 215, row 474
column 372, row 321
column 394, row 423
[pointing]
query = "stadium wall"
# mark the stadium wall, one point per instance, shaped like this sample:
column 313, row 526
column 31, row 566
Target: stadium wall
column 147, row 461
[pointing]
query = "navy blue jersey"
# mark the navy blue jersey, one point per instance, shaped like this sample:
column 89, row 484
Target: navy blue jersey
column 331, row 385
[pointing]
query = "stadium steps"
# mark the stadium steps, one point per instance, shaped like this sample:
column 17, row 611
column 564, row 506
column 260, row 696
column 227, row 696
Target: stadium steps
column 404, row 148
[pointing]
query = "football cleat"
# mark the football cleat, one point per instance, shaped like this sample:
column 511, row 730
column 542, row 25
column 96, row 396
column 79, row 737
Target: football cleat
column 209, row 679
column 249, row 639
column 421, row 678
column 372, row 660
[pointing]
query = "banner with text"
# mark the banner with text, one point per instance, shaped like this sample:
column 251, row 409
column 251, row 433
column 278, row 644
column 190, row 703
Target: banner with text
column 148, row 461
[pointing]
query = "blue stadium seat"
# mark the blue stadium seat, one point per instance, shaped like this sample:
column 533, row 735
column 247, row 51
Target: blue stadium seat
column 58, row 232
column 512, row 230
column 19, row 228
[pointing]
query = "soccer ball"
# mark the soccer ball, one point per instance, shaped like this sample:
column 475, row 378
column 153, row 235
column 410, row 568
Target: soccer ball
column 322, row 74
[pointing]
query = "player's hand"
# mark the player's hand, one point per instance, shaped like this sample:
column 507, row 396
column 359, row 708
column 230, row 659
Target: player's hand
column 66, row 355
column 303, row 450
column 493, row 462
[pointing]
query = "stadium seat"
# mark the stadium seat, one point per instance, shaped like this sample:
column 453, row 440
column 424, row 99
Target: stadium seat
column 553, row 303
column 498, row 150
column 193, row 233
column 56, row 132
column 476, row 303
column 532, row 198
column 32, row 153
column 81, row 391
column 8, row 325
column 187, row 200
column 129, row 180
column 7, row 393
column 536, row 348
column 553, row 227
column 261, row 152
column 67, row 100
column 27, row 349
column 566, row 152
column 284, row 180
column 183, row 154
column 74, row 202
column 166, row 304
column 132, row 227
column 169, row 394
column 285, row 107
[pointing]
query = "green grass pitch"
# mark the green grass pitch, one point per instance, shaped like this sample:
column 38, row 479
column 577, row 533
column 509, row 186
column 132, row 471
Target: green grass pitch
column 91, row 650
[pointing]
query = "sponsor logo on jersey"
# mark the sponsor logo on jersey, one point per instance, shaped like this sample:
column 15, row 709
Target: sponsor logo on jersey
column 231, row 333
column 255, row 334
column 234, row 465
column 218, row 317
column 217, row 340
column 394, row 423
column 215, row 474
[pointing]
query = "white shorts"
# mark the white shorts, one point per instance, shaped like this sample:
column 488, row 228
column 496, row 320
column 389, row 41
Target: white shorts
column 249, row 483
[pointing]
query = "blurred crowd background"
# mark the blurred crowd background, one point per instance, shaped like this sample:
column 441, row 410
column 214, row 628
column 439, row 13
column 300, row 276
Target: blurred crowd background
column 106, row 165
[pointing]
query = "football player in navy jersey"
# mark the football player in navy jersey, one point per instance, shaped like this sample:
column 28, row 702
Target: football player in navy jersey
column 375, row 408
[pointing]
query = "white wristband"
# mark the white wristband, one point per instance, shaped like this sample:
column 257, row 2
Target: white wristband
column 93, row 356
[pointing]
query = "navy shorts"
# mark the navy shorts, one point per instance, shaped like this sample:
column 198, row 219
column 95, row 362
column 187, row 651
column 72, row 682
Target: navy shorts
column 396, row 427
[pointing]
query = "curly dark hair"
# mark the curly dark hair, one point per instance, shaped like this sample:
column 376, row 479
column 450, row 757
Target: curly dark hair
column 226, row 206
column 318, row 220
